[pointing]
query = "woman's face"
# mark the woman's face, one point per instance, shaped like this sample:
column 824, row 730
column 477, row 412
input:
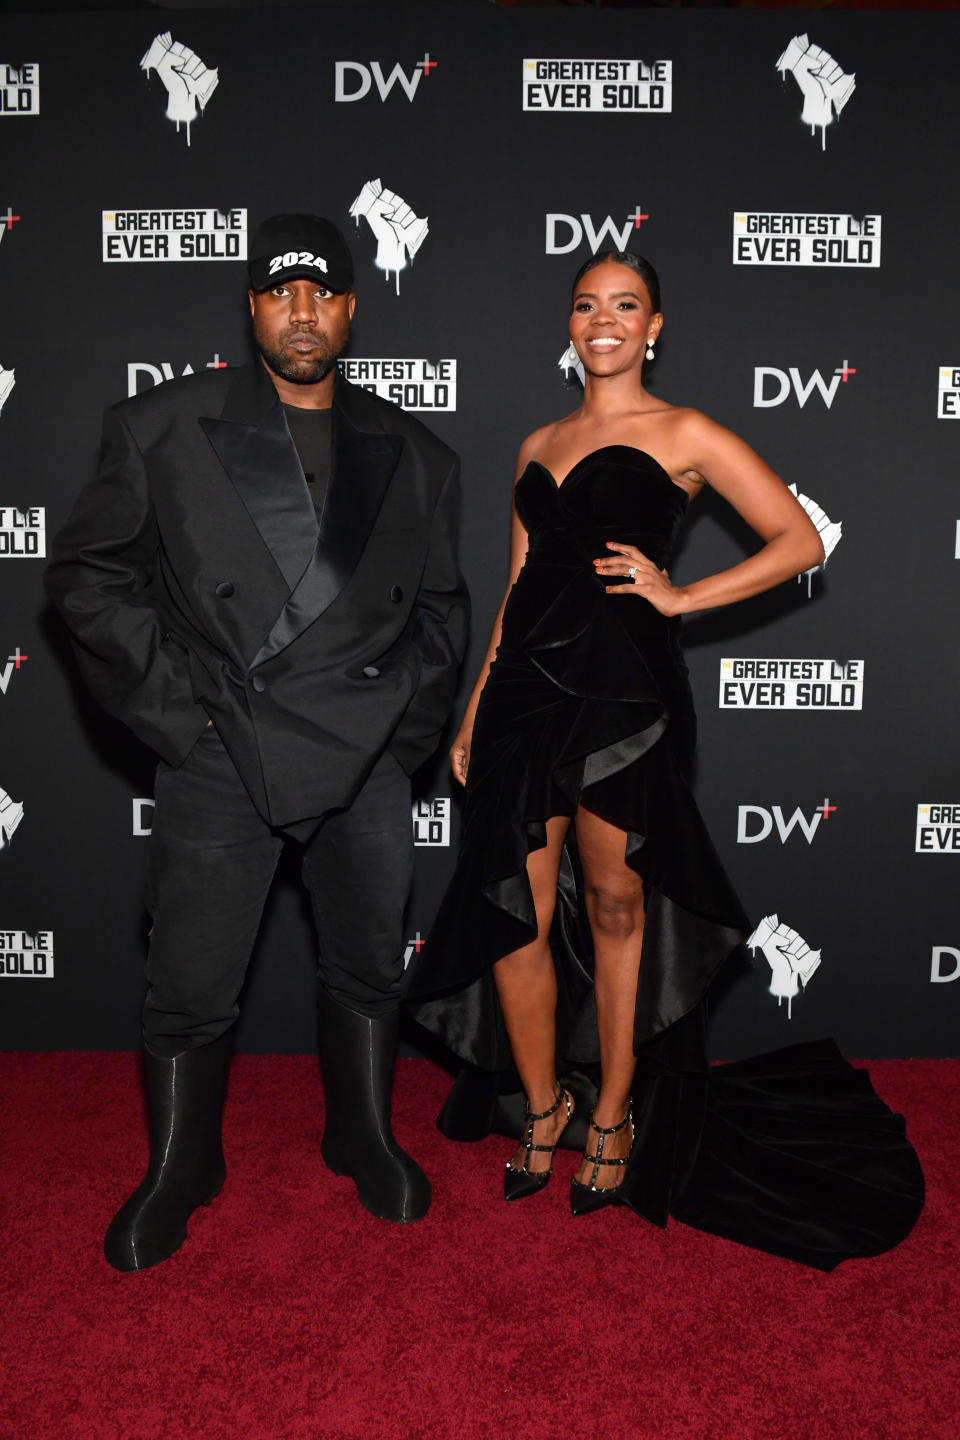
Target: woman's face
column 612, row 319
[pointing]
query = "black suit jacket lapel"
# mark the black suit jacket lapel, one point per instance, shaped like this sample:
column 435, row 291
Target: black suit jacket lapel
column 363, row 465
column 253, row 444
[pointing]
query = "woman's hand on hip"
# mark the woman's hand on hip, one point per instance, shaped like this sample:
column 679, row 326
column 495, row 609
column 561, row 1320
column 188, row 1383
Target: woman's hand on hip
column 641, row 577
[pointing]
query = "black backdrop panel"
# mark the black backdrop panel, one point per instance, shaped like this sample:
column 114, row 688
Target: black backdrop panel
column 832, row 758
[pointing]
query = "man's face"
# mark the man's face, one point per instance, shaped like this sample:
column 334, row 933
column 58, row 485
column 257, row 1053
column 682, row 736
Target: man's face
column 300, row 328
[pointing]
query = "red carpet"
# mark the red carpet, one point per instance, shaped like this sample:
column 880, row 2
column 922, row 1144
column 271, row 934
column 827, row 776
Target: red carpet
column 291, row 1314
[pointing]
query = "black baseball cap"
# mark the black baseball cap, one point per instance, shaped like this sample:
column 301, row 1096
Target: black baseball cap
column 286, row 247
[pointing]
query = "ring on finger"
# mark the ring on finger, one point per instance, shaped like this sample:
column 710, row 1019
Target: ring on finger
column 632, row 572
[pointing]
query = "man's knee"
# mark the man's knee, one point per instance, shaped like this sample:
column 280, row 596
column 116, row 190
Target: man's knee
column 371, row 996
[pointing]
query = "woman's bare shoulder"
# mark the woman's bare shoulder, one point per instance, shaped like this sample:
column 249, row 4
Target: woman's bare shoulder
column 542, row 440
column 686, row 420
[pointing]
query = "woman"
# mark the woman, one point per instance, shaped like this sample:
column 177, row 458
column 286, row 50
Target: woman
column 574, row 748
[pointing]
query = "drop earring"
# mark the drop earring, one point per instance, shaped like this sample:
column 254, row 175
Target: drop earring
column 649, row 354
column 570, row 360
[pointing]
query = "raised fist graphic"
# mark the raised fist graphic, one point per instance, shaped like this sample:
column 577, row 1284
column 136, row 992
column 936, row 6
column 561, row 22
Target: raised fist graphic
column 825, row 87
column 11, row 813
column 792, row 962
column 830, row 532
column 398, row 231
column 189, row 82
column 7, row 382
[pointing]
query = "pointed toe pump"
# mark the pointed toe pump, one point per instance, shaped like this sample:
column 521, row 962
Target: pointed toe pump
column 589, row 1197
column 519, row 1183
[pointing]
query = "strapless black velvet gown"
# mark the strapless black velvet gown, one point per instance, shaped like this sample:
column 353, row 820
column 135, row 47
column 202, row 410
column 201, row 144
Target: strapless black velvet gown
column 588, row 701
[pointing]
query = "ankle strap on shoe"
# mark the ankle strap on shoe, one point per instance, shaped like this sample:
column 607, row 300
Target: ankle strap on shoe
column 545, row 1114
column 609, row 1129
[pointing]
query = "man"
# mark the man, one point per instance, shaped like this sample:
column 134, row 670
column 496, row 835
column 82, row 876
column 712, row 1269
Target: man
column 261, row 581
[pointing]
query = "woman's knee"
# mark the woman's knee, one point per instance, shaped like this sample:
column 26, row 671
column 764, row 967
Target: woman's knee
column 614, row 911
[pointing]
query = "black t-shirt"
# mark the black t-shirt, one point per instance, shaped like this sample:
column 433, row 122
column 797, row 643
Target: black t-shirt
column 311, row 432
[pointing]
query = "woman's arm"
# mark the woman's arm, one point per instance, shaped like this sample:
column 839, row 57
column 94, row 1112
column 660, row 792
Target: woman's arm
column 729, row 466
column 460, row 749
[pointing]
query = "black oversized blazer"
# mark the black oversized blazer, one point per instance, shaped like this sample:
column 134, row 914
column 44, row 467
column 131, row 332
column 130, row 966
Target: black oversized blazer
column 195, row 585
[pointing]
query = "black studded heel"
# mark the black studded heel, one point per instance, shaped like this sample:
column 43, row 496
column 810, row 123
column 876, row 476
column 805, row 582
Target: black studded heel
column 518, row 1183
column 585, row 1198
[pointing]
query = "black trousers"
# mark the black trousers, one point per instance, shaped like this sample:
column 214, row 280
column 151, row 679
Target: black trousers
column 212, row 861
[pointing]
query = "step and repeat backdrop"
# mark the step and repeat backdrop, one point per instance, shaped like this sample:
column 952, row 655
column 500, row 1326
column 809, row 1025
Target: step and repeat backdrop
column 788, row 172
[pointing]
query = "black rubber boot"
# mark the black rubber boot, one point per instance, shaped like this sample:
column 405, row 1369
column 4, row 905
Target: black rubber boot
column 358, row 1055
column 185, row 1102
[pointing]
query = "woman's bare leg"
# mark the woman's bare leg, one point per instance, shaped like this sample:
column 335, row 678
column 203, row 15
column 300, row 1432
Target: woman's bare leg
column 527, row 988
column 614, row 902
